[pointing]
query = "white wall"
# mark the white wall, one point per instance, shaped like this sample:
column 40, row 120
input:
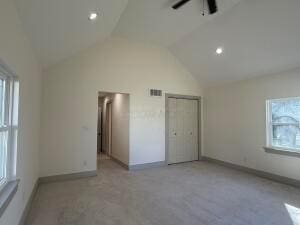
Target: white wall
column 235, row 124
column 16, row 51
column 69, row 117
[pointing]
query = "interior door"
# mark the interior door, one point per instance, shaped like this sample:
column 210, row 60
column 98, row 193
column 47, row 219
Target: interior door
column 172, row 102
column 191, row 129
column 181, row 152
column 188, row 123
column 183, row 130
column 190, row 126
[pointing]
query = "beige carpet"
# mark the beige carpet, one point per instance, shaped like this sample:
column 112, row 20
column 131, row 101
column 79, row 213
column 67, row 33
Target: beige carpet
column 197, row 193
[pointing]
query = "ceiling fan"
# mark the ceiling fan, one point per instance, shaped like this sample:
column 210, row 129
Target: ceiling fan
column 212, row 5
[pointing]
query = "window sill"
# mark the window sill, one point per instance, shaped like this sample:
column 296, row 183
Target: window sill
column 281, row 151
column 6, row 195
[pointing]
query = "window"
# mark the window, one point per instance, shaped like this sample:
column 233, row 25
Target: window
column 283, row 124
column 9, row 101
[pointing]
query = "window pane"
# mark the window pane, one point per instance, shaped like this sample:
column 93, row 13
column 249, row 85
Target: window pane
column 286, row 110
column 285, row 120
column 2, row 101
column 287, row 136
column 3, row 153
column 16, row 104
column 13, row 147
column 3, row 134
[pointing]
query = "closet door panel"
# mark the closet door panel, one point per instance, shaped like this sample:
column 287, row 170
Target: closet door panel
column 181, row 154
column 183, row 130
column 194, row 129
column 187, row 130
column 172, row 102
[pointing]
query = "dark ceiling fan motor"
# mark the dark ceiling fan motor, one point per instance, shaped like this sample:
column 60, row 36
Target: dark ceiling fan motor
column 212, row 5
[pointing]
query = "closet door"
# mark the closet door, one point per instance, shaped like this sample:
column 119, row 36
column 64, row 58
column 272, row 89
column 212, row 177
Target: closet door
column 172, row 157
column 193, row 133
column 191, row 130
column 183, row 130
column 181, row 155
column 188, row 123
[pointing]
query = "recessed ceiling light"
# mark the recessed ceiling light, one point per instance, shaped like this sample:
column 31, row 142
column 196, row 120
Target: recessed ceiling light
column 93, row 16
column 219, row 51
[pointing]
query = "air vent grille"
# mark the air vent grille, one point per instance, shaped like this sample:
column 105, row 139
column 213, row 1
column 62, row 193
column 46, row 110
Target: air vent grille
column 155, row 93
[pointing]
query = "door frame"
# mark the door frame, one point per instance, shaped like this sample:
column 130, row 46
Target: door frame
column 109, row 127
column 199, row 116
column 100, row 130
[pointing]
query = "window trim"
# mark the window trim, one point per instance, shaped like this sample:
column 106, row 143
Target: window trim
column 281, row 151
column 9, row 184
column 270, row 148
column 7, row 194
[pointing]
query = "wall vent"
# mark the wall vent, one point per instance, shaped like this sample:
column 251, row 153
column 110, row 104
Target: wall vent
column 155, row 93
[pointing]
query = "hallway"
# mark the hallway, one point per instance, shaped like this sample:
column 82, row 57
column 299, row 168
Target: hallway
column 197, row 193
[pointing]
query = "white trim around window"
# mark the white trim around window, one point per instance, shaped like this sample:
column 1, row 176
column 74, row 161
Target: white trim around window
column 292, row 124
column 9, row 112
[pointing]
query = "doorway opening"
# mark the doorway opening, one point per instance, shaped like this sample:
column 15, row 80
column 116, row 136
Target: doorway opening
column 113, row 129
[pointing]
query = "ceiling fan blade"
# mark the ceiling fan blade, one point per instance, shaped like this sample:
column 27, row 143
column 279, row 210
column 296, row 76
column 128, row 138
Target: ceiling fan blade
column 180, row 3
column 212, row 6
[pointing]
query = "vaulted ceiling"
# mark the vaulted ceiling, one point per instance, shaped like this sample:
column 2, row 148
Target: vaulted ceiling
column 258, row 36
column 157, row 22
column 60, row 28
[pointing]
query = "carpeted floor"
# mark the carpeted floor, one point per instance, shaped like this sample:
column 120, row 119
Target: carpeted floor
column 197, row 193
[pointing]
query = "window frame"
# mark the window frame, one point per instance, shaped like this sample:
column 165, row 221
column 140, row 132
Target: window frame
column 5, row 128
column 9, row 182
column 269, row 130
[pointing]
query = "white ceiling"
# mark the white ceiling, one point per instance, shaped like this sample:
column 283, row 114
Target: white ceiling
column 157, row 22
column 258, row 36
column 60, row 28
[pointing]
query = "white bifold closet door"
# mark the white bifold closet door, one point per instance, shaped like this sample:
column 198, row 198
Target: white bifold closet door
column 183, row 130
